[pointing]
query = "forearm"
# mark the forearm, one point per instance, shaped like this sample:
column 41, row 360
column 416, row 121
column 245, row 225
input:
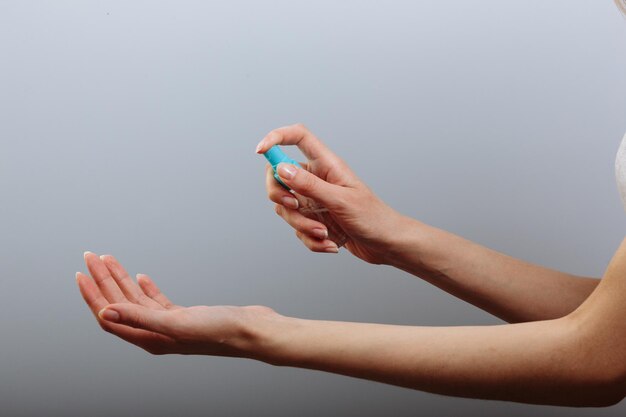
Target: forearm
column 531, row 362
column 509, row 288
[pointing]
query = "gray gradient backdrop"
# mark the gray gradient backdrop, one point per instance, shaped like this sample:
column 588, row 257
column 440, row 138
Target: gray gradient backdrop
column 129, row 128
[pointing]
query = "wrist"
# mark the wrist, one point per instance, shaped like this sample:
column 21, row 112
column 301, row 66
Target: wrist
column 419, row 249
column 260, row 335
column 389, row 235
column 407, row 238
column 289, row 341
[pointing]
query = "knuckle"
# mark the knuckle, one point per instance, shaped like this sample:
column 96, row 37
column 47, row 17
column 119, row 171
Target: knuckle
column 301, row 126
column 304, row 225
column 273, row 196
column 302, row 228
column 307, row 182
column 273, row 135
column 309, row 244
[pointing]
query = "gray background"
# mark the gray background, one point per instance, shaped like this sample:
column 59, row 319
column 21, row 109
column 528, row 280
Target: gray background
column 129, row 128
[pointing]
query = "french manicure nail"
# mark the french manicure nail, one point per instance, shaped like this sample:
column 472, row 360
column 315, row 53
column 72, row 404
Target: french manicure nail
column 286, row 171
column 109, row 315
column 332, row 249
column 320, row 233
column 259, row 146
column 290, row 202
column 87, row 253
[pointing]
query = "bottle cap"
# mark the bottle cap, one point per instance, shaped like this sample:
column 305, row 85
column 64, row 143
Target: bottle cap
column 275, row 156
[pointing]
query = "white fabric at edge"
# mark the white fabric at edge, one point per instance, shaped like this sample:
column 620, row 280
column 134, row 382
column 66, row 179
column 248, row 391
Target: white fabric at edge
column 620, row 170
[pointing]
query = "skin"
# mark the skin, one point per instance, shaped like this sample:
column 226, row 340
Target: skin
column 511, row 289
column 566, row 346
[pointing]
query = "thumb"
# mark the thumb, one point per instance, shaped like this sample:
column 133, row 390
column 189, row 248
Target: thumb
column 307, row 184
column 139, row 317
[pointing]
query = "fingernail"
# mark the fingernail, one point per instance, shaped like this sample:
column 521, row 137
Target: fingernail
column 290, row 202
column 320, row 233
column 259, row 146
column 77, row 276
column 109, row 315
column 104, row 258
column 332, row 249
column 87, row 253
column 286, row 171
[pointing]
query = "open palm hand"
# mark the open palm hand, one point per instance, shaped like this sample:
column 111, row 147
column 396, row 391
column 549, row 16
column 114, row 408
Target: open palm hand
column 140, row 314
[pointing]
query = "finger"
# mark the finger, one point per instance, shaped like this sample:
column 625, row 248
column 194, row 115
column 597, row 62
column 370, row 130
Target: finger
column 151, row 290
column 317, row 245
column 96, row 302
column 139, row 317
column 130, row 289
column 302, row 224
column 152, row 342
column 300, row 136
column 308, row 184
column 91, row 293
column 277, row 193
column 103, row 279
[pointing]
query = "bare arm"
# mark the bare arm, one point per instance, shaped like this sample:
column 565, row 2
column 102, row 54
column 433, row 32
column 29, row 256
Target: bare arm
column 577, row 360
column 511, row 289
column 539, row 362
column 514, row 290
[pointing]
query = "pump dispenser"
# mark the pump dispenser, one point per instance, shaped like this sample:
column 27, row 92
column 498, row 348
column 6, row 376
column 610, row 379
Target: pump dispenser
column 307, row 206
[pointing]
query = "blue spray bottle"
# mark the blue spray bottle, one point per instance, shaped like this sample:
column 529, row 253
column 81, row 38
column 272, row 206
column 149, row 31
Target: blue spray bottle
column 307, row 206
